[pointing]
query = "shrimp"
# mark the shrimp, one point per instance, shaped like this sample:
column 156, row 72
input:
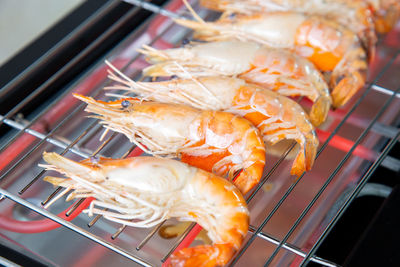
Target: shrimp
column 331, row 47
column 215, row 141
column 276, row 69
column 386, row 13
column 276, row 116
column 355, row 15
column 144, row 191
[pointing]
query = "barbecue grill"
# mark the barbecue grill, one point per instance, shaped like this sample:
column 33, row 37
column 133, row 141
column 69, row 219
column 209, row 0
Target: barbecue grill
column 289, row 218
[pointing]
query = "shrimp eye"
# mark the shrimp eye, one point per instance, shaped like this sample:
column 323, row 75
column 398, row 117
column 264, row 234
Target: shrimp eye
column 232, row 16
column 185, row 41
column 94, row 160
column 125, row 103
column 173, row 77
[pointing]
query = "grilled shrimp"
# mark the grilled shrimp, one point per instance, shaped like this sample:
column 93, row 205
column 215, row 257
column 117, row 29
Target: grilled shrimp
column 331, row 47
column 386, row 14
column 355, row 15
column 211, row 140
column 276, row 116
column 144, row 191
column 275, row 69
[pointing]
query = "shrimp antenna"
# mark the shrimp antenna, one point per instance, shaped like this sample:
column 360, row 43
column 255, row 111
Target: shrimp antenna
column 194, row 14
column 156, row 9
column 196, row 81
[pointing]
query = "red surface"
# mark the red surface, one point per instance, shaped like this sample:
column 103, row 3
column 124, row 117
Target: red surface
column 32, row 227
column 345, row 145
column 57, row 112
column 186, row 241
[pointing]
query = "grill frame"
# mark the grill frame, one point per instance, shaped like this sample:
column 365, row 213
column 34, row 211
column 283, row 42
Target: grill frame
column 255, row 231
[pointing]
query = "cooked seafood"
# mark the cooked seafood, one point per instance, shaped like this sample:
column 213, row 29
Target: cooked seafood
column 386, row 14
column 331, row 47
column 144, row 191
column 276, row 116
column 211, row 140
column 355, row 15
column 276, row 69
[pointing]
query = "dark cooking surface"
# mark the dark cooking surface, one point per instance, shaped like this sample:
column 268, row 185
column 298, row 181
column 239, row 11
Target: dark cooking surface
column 66, row 121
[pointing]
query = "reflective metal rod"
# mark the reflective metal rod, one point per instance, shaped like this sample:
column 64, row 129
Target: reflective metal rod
column 150, row 235
column 73, row 227
column 58, row 189
column 184, row 234
column 333, row 133
column 118, row 232
column 98, row 216
column 383, row 90
column 76, row 205
column 333, row 174
column 123, row 69
column 154, row 8
column 292, row 248
column 98, row 41
column 353, row 195
column 66, row 40
column 270, row 172
column 62, row 153
column 41, row 136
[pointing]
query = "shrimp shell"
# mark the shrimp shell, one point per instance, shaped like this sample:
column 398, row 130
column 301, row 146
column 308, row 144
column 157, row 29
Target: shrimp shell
column 355, row 15
column 275, row 69
column 386, row 14
column 331, row 47
column 276, row 116
column 144, row 191
column 211, row 140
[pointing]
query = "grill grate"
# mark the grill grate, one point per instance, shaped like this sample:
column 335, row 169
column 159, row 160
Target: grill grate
column 93, row 128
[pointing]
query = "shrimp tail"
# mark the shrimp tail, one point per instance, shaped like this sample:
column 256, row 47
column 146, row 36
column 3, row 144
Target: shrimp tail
column 306, row 156
column 205, row 255
column 348, row 77
column 246, row 180
column 320, row 109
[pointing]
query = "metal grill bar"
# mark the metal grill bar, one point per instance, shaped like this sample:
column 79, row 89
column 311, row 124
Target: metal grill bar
column 85, row 155
column 41, row 136
column 154, row 8
column 73, row 227
column 353, row 195
column 115, row 235
column 62, row 153
column 330, row 178
column 290, row 189
column 270, row 172
column 176, row 244
column 383, row 90
column 150, row 235
column 99, row 40
column 103, row 37
column 92, row 222
column 115, row 249
column 292, row 248
column 94, row 18
column 42, row 141
column 265, row 178
column 253, row 229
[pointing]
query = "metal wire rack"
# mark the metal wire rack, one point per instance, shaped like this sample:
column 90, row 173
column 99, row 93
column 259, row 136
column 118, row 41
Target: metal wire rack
column 280, row 246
